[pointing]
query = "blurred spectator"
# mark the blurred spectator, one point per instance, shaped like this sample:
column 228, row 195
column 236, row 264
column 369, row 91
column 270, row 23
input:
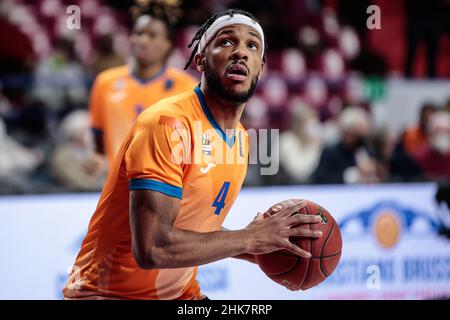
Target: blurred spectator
column 393, row 163
column 105, row 55
column 74, row 162
column 415, row 137
column 301, row 146
column 446, row 107
column 434, row 158
column 348, row 161
column 30, row 126
column 16, row 163
column 60, row 81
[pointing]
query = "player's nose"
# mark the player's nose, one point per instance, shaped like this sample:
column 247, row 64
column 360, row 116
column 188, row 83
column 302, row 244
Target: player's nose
column 240, row 53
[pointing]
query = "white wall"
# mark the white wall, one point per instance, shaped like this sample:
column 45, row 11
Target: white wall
column 404, row 98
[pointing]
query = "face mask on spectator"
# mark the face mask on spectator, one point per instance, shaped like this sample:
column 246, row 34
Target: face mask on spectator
column 360, row 142
column 441, row 143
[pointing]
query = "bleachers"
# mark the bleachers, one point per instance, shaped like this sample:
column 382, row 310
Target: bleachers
column 318, row 70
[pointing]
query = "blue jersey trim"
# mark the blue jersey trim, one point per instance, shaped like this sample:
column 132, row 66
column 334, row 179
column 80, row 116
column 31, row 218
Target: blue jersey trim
column 152, row 78
column 149, row 184
column 201, row 98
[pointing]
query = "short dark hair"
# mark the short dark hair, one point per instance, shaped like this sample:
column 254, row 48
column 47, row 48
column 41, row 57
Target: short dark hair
column 209, row 22
column 166, row 11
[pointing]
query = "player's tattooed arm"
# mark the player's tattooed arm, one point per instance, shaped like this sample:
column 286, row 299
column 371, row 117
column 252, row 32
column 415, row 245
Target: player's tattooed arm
column 243, row 256
column 157, row 243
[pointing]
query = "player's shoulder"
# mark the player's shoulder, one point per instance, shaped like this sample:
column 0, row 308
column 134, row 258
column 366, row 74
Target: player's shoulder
column 112, row 74
column 180, row 75
column 177, row 107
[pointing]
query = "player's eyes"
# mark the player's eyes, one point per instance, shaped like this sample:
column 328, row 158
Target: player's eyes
column 226, row 43
column 253, row 46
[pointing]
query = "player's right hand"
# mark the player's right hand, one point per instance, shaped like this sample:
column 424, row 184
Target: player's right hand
column 270, row 231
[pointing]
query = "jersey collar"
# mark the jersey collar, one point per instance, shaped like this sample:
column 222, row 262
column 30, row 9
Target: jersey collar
column 201, row 98
column 151, row 79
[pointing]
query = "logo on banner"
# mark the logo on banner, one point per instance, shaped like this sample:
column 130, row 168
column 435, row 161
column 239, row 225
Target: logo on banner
column 393, row 251
column 387, row 221
column 387, row 229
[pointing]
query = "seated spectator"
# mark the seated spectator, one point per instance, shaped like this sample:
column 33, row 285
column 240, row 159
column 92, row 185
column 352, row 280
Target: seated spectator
column 447, row 106
column 434, row 158
column 348, row 161
column 393, row 163
column 415, row 137
column 60, row 81
column 301, row 145
column 74, row 162
column 17, row 163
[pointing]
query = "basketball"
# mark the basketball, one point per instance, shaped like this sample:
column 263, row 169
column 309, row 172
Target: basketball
column 325, row 251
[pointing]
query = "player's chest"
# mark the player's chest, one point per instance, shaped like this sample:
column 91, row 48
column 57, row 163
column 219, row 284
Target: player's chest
column 129, row 99
column 217, row 169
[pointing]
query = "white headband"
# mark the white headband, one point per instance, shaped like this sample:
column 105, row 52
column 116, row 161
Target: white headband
column 228, row 20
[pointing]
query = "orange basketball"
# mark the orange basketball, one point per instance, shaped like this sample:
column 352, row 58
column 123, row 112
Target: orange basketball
column 305, row 273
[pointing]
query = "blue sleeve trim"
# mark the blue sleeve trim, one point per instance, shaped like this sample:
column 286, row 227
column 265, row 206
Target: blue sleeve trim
column 148, row 184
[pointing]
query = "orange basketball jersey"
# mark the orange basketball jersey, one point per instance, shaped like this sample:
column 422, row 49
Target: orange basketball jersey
column 177, row 148
column 118, row 97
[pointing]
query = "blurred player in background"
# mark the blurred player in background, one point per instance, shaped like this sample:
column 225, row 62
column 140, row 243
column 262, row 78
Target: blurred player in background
column 120, row 94
column 159, row 218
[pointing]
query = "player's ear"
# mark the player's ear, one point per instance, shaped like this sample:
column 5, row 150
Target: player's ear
column 262, row 71
column 199, row 61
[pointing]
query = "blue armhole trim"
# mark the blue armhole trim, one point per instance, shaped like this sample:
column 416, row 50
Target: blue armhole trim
column 148, row 184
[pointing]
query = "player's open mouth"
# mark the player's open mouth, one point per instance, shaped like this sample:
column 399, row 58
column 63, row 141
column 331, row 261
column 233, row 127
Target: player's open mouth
column 237, row 72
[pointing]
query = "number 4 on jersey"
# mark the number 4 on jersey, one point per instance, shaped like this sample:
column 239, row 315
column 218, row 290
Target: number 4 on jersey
column 219, row 202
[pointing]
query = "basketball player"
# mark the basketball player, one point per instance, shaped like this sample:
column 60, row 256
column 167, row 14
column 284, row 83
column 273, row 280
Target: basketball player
column 159, row 218
column 120, row 94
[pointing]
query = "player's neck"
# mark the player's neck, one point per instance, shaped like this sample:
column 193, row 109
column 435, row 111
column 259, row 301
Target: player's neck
column 227, row 114
column 145, row 72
